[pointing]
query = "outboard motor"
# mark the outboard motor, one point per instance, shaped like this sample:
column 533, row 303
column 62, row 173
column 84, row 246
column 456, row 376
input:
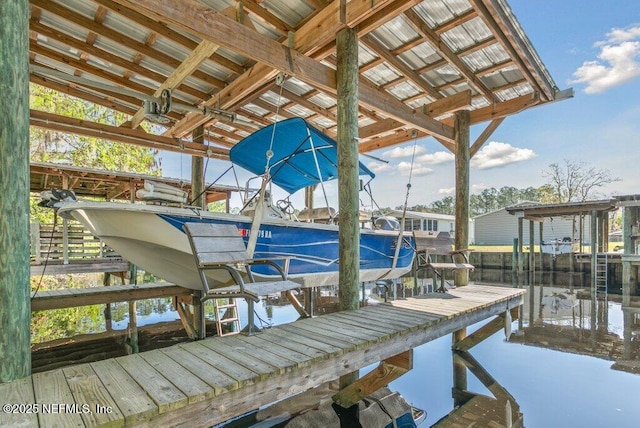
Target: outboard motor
column 49, row 198
column 387, row 223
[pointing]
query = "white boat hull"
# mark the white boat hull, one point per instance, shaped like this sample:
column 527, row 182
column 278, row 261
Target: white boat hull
column 150, row 237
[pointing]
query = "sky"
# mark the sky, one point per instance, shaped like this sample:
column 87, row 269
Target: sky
column 591, row 46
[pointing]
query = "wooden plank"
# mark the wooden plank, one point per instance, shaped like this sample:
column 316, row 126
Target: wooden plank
column 130, row 398
column 229, row 367
column 252, row 362
column 294, row 336
column 356, row 331
column 219, row 381
column 196, row 57
column 266, row 354
column 320, row 335
column 261, row 344
column 382, row 325
column 15, row 393
column 301, row 346
column 56, row 299
column 190, row 385
column 166, row 395
column 87, row 388
column 51, row 387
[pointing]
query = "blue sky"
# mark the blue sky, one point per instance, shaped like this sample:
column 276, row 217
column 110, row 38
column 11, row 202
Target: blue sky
column 591, row 46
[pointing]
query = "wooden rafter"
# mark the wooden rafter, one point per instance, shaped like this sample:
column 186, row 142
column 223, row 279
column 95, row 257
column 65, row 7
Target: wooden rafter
column 446, row 52
column 130, row 136
column 484, row 136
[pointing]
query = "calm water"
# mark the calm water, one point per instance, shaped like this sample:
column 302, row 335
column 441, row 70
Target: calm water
column 552, row 388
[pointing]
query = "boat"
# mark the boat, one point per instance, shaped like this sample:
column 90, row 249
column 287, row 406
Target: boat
column 560, row 246
column 152, row 236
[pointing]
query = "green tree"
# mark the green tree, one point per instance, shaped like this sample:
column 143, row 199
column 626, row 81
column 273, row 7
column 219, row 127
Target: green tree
column 53, row 146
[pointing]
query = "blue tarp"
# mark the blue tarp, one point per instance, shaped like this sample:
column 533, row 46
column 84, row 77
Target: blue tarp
column 292, row 166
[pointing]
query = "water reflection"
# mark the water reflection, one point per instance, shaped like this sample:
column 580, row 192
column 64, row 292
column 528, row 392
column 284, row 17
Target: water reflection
column 499, row 410
column 556, row 318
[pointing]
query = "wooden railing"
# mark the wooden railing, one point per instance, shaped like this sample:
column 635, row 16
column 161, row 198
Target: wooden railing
column 66, row 241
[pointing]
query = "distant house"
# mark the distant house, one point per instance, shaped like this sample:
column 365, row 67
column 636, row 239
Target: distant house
column 499, row 228
column 430, row 222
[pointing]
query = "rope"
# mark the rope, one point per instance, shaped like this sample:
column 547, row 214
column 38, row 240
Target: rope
column 257, row 215
column 406, row 201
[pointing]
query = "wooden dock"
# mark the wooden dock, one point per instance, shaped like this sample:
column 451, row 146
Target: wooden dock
column 209, row 381
column 71, row 297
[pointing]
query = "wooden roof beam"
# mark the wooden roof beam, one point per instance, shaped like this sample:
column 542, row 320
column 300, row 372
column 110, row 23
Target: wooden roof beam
column 514, row 50
column 102, row 30
column 66, row 89
column 105, row 56
column 191, row 63
column 446, row 52
column 263, row 14
column 503, row 109
column 398, row 137
column 273, row 55
column 168, row 33
column 130, row 136
column 397, row 63
column 484, row 136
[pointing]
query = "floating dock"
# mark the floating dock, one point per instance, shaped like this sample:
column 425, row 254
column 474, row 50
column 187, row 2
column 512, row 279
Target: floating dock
column 212, row 380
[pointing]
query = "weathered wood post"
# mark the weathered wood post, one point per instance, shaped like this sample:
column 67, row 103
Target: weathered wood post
column 461, row 137
column 15, row 306
column 198, row 198
column 348, row 182
column 532, row 267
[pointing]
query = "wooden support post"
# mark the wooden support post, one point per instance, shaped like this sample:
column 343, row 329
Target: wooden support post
column 15, row 308
column 514, row 262
column 133, row 327
column 461, row 135
column 459, row 369
column 520, row 249
column 388, row 370
column 198, row 199
column 309, row 300
column 348, row 181
column 532, row 266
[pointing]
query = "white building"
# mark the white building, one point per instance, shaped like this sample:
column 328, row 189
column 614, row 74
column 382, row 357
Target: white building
column 430, row 222
column 500, row 228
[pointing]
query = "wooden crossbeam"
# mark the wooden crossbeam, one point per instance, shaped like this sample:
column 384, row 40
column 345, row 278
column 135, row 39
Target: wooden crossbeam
column 487, row 330
column 388, row 370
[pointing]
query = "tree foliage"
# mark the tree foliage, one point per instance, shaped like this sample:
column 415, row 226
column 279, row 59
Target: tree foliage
column 569, row 182
column 53, row 146
column 576, row 181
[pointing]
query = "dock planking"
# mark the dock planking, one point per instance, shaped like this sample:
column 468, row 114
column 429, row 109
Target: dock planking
column 210, row 381
column 72, row 297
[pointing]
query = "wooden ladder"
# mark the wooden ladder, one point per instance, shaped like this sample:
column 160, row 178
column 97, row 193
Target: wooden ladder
column 226, row 314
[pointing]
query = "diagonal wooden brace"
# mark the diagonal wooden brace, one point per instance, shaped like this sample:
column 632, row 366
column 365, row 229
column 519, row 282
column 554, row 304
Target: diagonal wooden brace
column 486, row 331
column 388, row 370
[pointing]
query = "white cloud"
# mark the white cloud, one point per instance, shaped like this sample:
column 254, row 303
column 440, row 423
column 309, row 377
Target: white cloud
column 403, row 152
column 447, row 191
column 378, row 167
column 618, row 61
column 496, row 154
column 435, row 158
column 418, row 170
